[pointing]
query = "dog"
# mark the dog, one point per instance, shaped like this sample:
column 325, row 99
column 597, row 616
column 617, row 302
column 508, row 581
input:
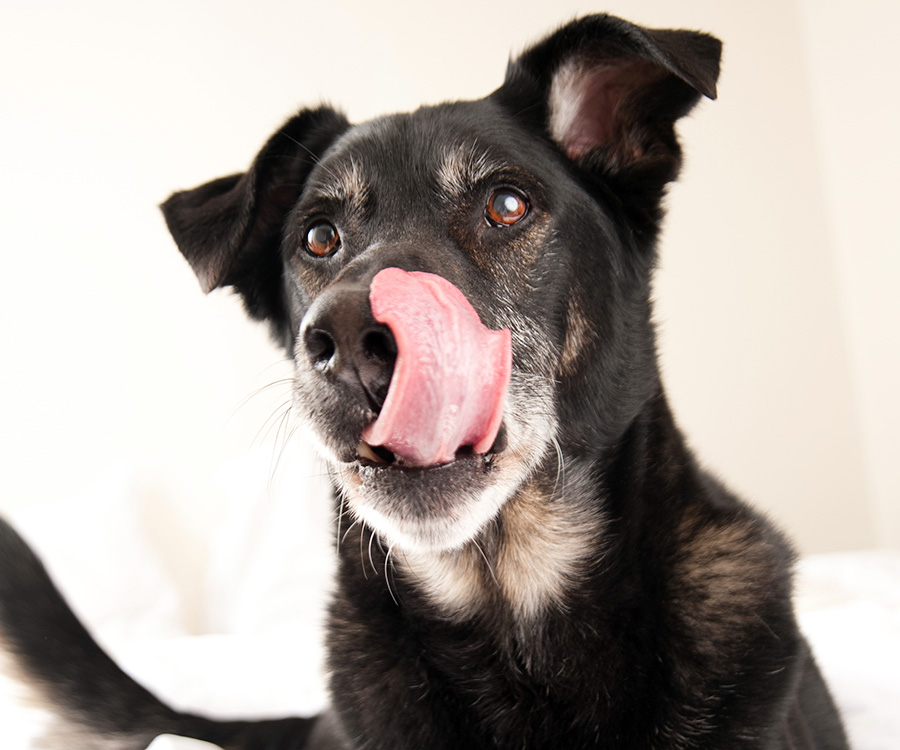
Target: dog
column 465, row 293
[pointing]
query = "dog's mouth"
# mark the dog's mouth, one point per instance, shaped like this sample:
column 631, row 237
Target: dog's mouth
column 380, row 457
column 377, row 455
column 434, row 506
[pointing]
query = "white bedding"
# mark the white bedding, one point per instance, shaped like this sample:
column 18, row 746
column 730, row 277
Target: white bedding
column 244, row 640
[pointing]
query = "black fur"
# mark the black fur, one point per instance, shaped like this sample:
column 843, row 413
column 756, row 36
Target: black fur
column 615, row 596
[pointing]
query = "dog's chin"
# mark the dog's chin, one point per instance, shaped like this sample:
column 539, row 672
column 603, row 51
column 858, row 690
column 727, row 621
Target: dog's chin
column 424, row 508
column 437, row 508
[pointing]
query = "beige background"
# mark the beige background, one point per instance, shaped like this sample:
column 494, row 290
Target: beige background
column 777, row 297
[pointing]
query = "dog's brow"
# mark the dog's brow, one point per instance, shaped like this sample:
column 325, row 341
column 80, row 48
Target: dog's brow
column 345, row 184
column 462, row 168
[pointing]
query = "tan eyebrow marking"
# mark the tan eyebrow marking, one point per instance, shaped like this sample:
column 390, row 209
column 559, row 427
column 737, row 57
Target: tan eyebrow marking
column 462, row 168
column 346, row 185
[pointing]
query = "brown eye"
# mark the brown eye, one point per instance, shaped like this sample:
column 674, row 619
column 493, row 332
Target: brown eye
column 323, row 239
column 505, row 207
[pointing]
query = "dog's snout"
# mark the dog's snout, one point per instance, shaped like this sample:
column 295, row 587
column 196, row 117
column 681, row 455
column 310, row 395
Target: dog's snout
column 345, row 343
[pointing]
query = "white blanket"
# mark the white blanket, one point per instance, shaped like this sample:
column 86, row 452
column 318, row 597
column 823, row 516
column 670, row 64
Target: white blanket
column 243, row 638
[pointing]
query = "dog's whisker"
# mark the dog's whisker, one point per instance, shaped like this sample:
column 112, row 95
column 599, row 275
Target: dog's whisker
column 284, row 436
column 362, row 559
column 487, row 562
column 356, row 522
column 273, row 421
column 277, row 383
column 316, row 159
column 340, row 519
column 371, row 560
column 560, row 481
column 286, row 429
column 388, row 567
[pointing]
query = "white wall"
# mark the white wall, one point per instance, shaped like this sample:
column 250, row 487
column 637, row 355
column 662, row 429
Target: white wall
column 770, row 331
column 854, row 78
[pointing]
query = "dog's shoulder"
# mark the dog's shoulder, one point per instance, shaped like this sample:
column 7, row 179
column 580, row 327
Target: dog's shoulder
column 727, row 561
column 727, row 623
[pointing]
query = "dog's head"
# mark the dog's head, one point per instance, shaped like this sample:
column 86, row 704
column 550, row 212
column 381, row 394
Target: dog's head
column 533, row 211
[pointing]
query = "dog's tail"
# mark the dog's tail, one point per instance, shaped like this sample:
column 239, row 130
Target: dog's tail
column 94, row 703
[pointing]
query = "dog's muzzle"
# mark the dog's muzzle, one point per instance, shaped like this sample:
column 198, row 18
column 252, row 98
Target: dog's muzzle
column 413, row 348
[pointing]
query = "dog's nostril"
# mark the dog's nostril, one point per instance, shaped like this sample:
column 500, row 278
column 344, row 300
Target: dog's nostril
column 378, row 344
column 375, row 358
column 320, row 346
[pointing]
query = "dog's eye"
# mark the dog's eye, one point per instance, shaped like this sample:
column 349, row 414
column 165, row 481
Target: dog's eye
column 505, row 207
column 322, row 239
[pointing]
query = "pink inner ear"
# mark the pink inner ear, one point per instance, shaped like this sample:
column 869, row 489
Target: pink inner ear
column 586, row 105
column 592, row 123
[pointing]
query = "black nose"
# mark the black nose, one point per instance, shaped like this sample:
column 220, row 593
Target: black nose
column 348, row 346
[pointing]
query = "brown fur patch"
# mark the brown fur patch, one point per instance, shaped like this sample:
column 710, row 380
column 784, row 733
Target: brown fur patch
column 579, row 334
column 544, row 541
column 527, row 560
column 724, row 574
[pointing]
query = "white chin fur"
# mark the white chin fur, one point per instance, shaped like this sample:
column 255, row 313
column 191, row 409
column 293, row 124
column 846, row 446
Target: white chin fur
column 436, row 533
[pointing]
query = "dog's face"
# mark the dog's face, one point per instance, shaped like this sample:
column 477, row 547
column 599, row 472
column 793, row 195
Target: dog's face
column 436, row 192
column 539, row 204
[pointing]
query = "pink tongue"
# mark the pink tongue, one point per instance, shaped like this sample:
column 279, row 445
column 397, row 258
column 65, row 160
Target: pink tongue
column 451, row 374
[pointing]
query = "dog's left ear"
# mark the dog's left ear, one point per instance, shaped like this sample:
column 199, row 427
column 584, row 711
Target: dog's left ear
column 608, row 92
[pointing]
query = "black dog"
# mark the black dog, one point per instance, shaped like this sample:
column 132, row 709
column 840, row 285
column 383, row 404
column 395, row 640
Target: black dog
column 465, row 291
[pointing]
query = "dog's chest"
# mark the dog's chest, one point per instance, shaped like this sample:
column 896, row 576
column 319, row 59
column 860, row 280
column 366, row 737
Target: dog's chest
column 456, row 686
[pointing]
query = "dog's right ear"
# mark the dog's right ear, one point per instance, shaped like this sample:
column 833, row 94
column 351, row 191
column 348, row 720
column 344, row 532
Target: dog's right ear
column 229, row 229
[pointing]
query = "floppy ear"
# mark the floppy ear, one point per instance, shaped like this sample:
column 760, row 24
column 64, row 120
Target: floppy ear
column 229, row 229
column 608, row 92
